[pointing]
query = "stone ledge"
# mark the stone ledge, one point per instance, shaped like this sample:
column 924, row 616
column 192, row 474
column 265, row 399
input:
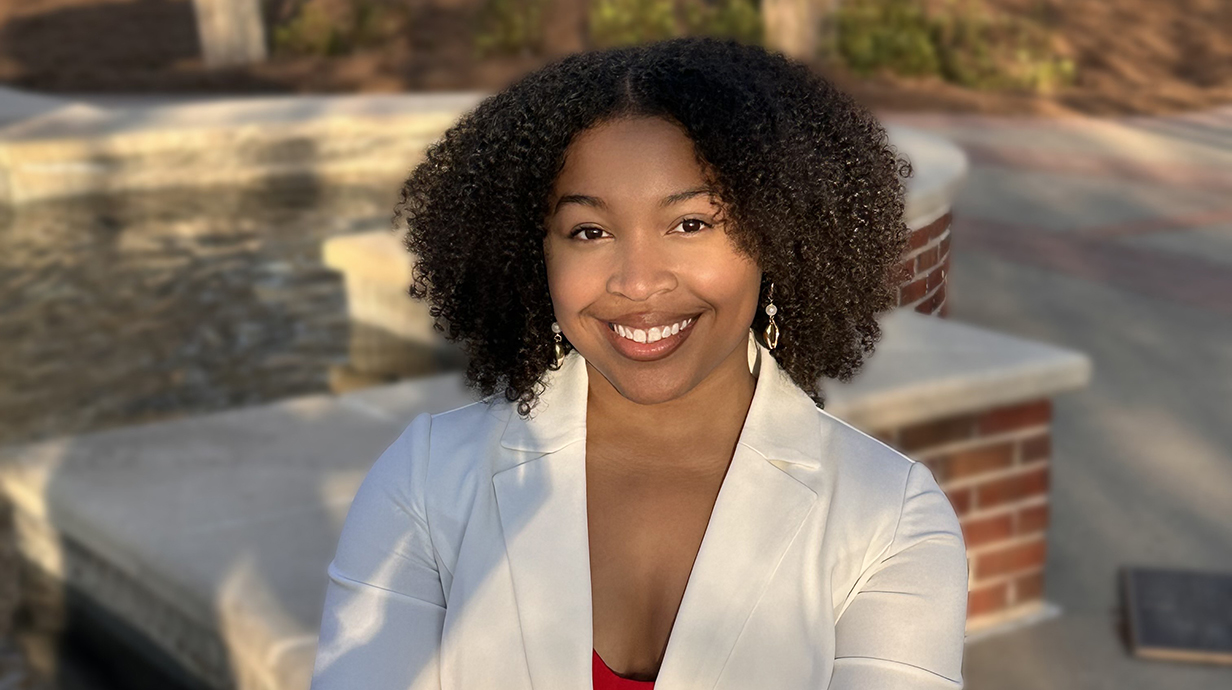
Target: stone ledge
column 210, row 534
column 89, row 122
column 18, row 106
column 926, row 368
column 940, row 171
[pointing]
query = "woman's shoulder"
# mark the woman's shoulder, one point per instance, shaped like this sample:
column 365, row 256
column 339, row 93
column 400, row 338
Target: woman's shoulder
column 470, row 423
column 877, row 498
column 435, row 445
column 865, row 474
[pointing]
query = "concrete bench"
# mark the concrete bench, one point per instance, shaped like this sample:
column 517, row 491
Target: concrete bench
column 207, row 538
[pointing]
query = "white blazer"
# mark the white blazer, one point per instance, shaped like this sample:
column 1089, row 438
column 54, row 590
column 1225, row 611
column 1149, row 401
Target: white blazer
column 830, row 559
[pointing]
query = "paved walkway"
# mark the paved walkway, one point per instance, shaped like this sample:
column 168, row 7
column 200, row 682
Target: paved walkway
column 1113, row 238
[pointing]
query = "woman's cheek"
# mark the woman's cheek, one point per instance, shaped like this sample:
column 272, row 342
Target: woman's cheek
column 575, row 283
column 724, row 278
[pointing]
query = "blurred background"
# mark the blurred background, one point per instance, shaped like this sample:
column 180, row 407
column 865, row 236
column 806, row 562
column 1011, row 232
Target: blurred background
column 205, row 338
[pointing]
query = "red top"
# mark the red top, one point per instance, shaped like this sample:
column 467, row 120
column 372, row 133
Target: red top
column 606, row 678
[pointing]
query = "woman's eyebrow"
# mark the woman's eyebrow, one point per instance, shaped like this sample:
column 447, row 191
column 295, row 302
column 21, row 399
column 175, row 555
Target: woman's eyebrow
column 596, row 202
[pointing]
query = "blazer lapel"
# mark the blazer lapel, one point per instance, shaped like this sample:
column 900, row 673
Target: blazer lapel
column 758, row 513
column 540, row 485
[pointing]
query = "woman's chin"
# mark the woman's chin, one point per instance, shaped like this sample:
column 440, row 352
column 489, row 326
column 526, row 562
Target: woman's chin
column 649, row 387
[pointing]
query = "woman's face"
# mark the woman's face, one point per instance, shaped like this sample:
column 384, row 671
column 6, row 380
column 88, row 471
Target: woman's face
column 634, row 239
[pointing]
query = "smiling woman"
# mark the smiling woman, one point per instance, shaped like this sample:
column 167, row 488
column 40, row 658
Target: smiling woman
column 652, row 255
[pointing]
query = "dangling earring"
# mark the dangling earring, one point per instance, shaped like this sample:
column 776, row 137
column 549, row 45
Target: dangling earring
column 772, row 331
column 560, row 349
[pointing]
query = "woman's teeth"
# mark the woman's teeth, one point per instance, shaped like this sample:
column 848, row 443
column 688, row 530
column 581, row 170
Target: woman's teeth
column 638, row 335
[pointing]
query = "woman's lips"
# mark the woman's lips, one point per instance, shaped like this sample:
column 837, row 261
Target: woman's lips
column 648, row 352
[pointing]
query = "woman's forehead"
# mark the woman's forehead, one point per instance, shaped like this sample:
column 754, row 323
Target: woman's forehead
column 630, row 160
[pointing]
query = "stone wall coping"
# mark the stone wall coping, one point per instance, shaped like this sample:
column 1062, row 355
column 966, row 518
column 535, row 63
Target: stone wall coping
column 940, row 169
column 86, row 121
column 21, row 106
column 926, row 368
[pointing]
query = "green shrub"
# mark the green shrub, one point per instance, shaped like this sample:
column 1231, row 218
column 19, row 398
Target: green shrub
column 626, row 22
column 514, row 26
column 509, row 26
column 315, row 31
column 738, row 19
column 886, row 34
column 963, row 44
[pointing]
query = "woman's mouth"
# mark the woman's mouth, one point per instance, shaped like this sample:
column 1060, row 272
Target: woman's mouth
column 649, row 344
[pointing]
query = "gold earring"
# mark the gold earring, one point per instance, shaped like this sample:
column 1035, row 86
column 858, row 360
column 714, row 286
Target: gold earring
column 560, row 349
column 772, row 331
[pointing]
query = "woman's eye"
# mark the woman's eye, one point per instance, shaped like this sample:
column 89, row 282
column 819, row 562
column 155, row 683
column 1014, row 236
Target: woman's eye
column 587, row 229
column 693, row 225
column 588, row 233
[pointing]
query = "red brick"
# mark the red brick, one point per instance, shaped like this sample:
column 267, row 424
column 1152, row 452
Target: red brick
column 919, row 238
column 912, row 291
column 938, row 431
column 935, row 277
column 938, row 227
column 987, row 599
column 1028, row 587
column 927, row 259
column 1011, row 559
column 1036, row 448
column 998, row 491
column 1018, row 416
column 945, row 247
column 985, row 530
column 966, row 463
column 1033, row 519
column 960, row 499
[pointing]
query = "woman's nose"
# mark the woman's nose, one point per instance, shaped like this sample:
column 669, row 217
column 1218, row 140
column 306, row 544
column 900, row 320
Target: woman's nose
column 643, row 268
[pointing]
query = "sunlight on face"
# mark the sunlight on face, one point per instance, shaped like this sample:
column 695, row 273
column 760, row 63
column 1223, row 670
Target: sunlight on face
column 634, row 238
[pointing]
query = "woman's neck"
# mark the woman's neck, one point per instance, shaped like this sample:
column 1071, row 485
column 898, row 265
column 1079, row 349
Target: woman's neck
column 692, row 433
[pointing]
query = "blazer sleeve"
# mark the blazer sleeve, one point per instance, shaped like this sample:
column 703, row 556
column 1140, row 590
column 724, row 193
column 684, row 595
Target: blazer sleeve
column 384, row 607
column 905, row 627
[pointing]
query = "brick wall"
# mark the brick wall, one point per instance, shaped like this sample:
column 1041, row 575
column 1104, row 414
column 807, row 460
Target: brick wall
column 924, row 268
column 994, row 466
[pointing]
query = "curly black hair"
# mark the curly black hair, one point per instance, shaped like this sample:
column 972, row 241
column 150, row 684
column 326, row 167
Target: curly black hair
column 806, row 177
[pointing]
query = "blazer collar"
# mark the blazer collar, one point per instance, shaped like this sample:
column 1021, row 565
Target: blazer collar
column 782, row 422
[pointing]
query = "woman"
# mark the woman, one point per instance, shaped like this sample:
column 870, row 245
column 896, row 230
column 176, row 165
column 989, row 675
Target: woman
column 654, row 253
